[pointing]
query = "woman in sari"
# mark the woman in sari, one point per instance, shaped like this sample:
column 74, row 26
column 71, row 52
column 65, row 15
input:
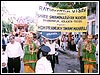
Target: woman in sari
column 89, row 55
column 30, row 56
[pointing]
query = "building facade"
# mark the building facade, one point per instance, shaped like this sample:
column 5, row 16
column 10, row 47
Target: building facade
column 92, row 22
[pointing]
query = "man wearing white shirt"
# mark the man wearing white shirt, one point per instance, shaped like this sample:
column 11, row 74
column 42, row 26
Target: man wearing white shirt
column 51, row 54
column 56, row 51
column 14, row 54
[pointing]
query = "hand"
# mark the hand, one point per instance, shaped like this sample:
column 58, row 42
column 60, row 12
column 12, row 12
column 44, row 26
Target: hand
column 31, row 52
column 35, row 50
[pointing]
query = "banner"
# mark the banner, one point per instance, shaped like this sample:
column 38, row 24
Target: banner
column 51, row 35
column 70, row 20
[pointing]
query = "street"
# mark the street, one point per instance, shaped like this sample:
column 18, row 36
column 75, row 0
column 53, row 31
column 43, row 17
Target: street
column 67, row 64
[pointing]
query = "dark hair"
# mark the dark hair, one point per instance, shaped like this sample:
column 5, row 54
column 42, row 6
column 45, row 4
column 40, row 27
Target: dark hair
column 77, row 34
column 34, row 36
column 96, row 35
column 52, row 40
column 6, row 35
column 12, row 36
column 44, row 53
column 16, row 34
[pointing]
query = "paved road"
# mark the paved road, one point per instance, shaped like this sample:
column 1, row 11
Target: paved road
column 67, row 64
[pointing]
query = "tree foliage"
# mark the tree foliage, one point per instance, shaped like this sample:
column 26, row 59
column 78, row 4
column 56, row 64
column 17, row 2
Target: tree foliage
column 53, row 4
column 67, row 5
column 3, row 27
column 6, row 28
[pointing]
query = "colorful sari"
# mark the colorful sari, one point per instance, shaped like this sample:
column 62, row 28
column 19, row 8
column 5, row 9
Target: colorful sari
column 29, row 59
column 89, row 57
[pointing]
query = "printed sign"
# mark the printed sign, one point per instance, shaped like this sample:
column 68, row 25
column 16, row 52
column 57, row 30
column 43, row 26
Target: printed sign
column 69, row 20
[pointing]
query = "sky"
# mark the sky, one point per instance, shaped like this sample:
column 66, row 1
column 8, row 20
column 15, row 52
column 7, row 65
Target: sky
column 23, row 8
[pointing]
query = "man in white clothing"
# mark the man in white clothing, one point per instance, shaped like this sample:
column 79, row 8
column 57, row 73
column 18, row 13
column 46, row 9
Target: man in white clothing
column 43, row 65
column 15, row 54
column 51, row 54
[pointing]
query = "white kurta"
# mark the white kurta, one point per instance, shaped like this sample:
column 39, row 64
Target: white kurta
column 43, row 66
column 52, row 47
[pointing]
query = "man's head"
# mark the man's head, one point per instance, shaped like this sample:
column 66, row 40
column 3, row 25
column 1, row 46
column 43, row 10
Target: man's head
column 16, row 34
column 96, row 36
column 90, row 38
column 6, row 35
column 12, row 38
column 83, row 36
column 51, row 41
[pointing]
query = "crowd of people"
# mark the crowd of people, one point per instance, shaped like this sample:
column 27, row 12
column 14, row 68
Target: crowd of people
column 87, row 47
column 40, row 57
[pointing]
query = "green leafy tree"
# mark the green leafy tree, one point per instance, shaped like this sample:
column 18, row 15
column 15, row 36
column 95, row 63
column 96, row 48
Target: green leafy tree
column 6, row 28
column 67, row 5
column 53, row 4
column 10, row 27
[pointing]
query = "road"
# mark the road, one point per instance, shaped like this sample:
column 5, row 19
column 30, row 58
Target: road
column 67, row 64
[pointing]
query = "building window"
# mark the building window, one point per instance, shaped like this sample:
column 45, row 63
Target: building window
column 93, row 28
column 88, row 26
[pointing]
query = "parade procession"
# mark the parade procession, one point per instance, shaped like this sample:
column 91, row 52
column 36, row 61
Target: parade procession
column 40, row 37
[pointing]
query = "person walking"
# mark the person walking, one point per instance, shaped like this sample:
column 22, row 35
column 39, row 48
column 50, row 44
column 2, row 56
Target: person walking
column 57, row 47
column 15, row 55
column 77, row 38
column 51, row 54
column 95, row 39
column 64, row 44
column 30, row 56
column 89, row 59
column 5, row 41
column 80, row 53
column 43, row 65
